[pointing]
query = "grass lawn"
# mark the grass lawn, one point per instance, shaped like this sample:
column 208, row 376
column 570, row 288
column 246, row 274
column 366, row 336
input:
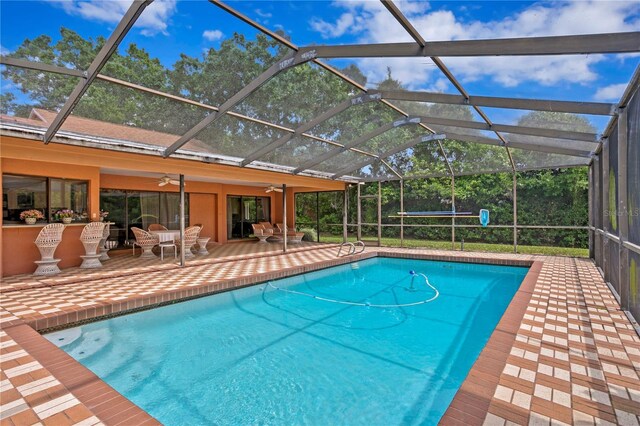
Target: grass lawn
column 498, row 248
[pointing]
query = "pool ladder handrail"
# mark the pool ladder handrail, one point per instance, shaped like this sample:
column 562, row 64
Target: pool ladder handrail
column 352, row 248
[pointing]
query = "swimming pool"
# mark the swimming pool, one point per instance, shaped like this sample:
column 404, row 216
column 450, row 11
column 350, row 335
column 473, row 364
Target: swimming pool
column 258, row 355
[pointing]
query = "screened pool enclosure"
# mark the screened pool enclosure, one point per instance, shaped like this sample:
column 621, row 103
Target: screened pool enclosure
column 260, row 101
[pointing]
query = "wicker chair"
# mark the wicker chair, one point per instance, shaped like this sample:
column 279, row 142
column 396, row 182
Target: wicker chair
column 146, row 242
column 102, row 247
column 276, row 235
column 190, row 238
column 202, row 241
column 268, row 227
column 292, row 235
column 47, row 242
column 90, row 238
column 157, row 227
column 261, row 233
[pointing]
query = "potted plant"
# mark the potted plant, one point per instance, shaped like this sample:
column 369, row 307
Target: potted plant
column 66, row 215
column 31, row 216
column 103, row 215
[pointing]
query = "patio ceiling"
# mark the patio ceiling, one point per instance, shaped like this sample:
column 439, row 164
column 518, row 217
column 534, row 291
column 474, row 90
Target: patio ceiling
column 353, row 133
column 153, row 177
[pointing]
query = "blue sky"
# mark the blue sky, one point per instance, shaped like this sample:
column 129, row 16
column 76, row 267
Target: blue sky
column 168, row 28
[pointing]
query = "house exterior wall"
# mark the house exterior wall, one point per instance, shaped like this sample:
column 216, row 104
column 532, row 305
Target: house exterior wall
column 208, row 200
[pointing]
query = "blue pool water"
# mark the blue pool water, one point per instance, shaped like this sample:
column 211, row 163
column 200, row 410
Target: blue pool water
column 263, row 356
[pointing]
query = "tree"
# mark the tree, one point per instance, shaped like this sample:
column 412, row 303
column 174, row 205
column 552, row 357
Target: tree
column 554, row 120
column 353, row 72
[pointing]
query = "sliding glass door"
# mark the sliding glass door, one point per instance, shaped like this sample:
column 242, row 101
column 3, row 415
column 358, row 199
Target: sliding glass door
column 243, row 211
column 140, row 209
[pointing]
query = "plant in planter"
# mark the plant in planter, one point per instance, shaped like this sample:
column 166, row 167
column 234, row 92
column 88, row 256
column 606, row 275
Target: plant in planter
column 31, row 216
column 65, row 215
column 103, row 215
column 310, row 234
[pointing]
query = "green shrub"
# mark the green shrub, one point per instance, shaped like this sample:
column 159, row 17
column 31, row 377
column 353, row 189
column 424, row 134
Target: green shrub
column 310, row 234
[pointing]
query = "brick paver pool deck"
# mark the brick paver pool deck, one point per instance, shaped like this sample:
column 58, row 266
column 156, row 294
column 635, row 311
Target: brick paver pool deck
column 563, row 353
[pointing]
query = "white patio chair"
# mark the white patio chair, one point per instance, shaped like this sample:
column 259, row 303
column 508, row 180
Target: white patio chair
column 146, row 242
column 47, row 242
column 190, row 238
column 91, row 236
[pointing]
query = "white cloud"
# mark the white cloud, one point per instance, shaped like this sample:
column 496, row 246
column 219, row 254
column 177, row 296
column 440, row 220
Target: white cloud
column 4, row 50
column 213, row 35
column 153, row 20
column 440, row 85
column 370, row 22
column 612, row 92
column 328, row 30
column 263, row 14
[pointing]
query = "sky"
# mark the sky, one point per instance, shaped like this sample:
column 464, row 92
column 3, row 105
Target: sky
column 170, row 27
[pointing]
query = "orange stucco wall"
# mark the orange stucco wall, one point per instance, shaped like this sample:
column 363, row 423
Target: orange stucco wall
column 208, row 200
column 19, row 242
column 204, row 210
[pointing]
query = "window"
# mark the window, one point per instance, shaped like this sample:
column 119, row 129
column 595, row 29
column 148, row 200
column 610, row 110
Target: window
column 49, row 195
column 68, row 195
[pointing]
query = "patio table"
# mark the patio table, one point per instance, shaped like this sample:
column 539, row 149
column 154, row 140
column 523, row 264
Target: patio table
column 166, row 235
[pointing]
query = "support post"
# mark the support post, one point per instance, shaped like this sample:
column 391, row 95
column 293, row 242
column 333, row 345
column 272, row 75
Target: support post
column 182, row 254
column 598, row 209
column 359, row 213
column 453, row 208
column 590, row 201
column 402, row 210
column 623, row 214
column 379, row 214
column 606, row 220
column 284, row 218
column 515, row 213
column 318, row 214
column 345, row 216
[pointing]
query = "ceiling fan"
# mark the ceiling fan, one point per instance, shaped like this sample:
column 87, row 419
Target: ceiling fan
column 166, row 179
column 272, row 188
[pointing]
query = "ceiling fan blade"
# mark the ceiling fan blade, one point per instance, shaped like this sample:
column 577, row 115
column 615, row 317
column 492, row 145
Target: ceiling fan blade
column 174, row 182
column 162, row 183
column 277, row 189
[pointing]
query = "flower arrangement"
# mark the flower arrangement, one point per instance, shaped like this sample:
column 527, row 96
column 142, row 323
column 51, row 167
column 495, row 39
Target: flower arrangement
column 103, row 214
column 31, row 214
column 64, row 213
